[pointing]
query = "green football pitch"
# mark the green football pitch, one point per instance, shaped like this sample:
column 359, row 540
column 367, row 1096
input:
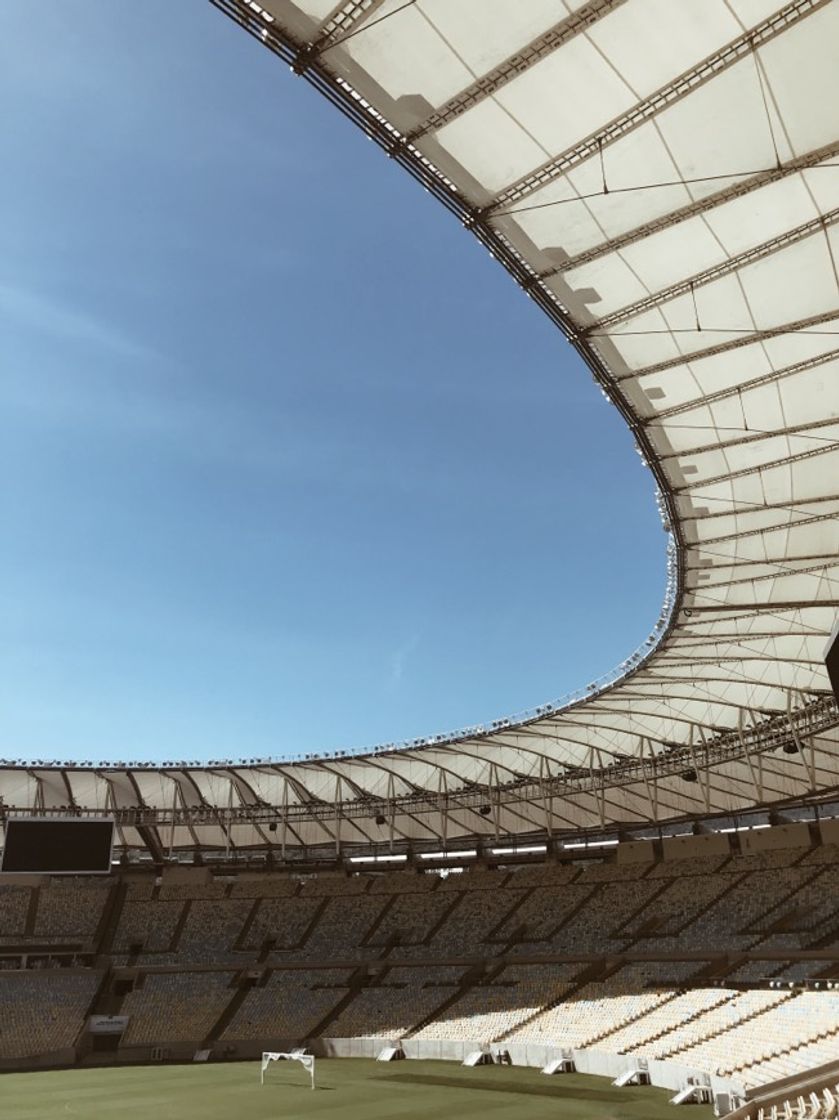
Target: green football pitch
column 351, row 1089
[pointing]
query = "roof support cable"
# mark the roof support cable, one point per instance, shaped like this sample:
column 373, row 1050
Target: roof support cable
column 651, row 790
column 764, row 94
column 809, row 767
column 174, row 815
column 368, row 25
column 755, row 776
column 741, row 185
column 602, row 165
column 544, row 793
column 742, row 408
column 647, row 109
column 830, row 252
column 695, row 306
column 738, row 338
column 702, row 774
column 346, row 14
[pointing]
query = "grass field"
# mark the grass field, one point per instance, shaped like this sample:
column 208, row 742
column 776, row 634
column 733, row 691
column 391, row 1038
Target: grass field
column 347, row 1088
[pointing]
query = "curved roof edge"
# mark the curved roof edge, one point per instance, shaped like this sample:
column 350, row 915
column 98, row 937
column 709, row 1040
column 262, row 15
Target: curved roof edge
column 682, row 239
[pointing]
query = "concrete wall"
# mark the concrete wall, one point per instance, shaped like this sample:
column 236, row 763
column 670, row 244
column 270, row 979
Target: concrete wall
column 52, row 1060
column 636, row 851
column 694, row 847
column 600, row 1063
column 829, row 831
column 179, row 873
column 771, row 839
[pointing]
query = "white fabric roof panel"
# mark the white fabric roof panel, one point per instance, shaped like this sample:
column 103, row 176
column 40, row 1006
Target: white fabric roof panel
column 663, row 177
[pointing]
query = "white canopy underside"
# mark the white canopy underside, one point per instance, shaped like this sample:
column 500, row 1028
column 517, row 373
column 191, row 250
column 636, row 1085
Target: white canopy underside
column 663, row 176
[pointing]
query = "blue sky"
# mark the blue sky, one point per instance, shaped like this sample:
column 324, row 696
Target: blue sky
column 289, row 463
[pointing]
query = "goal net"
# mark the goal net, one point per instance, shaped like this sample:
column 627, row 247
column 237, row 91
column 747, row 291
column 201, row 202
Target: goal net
column 306, row 1060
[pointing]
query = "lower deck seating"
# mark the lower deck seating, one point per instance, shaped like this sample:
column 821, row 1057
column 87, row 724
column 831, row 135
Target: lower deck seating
column 289, row 1006
column 660, row 1020
column 175, row 1007
column 491, row 1010
column 465, row 957
column 399, row 1003
column 41, row 1012
column 591, row 1012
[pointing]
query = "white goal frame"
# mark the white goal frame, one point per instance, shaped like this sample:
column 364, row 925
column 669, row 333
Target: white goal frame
column 269, row 1056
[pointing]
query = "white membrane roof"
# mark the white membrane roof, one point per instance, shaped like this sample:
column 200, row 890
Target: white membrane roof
column 662, row 176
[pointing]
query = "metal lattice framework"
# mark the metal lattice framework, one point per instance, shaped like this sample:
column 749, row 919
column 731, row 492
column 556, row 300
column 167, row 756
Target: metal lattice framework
column 662, row 178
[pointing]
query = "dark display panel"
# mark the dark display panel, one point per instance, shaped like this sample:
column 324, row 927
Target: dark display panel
column 58, row 846
column 831, row 659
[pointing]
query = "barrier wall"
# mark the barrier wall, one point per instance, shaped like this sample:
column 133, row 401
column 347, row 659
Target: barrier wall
column 53, row 1060
column 599, row 1063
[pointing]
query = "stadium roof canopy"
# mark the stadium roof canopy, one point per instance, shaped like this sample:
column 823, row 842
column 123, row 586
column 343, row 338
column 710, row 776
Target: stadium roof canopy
column 662, row 177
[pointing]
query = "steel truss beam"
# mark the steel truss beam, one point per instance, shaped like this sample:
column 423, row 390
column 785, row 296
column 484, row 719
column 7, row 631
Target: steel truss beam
column 718, row 271
column 651, row 106
column 342, row 20
column 744, row 387
column 833, row 562
column 762, row 507
column 758, row 436
column 771, row 608
column 577, row 23
column 757, row 468
column 769, row 529
column 746, row 338
column 743, row 743
column 697, row 209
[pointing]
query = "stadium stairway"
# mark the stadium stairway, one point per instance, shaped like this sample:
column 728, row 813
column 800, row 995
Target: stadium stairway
column 665, row 929
column 386, row 947
column 829, row 939
column 471, row 977
column 107, row 1000
column 496, row 936
column 599, row 970
column 242, row 987
column 32, row 912
column 766, row 924
column 724, row 1028
column 179, row 926
column 367, row 940
column 604, row 1035
column 444, row 917
column 310, row 928
column 240, row 944
column 722, row 965
column 639, row 911
column 358, row 980
column 780, row 1051
column 550, row 936
column 647, row 1040
column 111, row 913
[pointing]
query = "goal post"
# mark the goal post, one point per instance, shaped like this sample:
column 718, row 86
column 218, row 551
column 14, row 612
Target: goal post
column 269, row 1056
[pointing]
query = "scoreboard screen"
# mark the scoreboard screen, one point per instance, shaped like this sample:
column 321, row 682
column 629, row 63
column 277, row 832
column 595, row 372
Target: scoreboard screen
column 65, row 846
column 831, row 660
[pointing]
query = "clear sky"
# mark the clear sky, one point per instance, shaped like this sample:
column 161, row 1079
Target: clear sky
column 288, row 462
